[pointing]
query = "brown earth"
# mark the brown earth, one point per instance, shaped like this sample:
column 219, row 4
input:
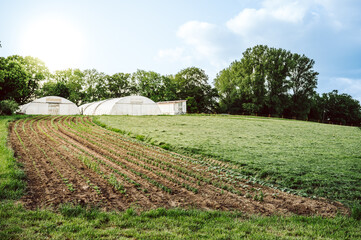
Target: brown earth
column 70, row 159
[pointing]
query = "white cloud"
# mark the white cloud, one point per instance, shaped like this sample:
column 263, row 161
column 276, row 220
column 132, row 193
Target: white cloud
column 250, row 22
column 285, row 10
column 201, row 36
column 246, row 21
column 203, row 41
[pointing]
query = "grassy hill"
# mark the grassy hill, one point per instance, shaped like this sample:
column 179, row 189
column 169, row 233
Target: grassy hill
column 312, row 158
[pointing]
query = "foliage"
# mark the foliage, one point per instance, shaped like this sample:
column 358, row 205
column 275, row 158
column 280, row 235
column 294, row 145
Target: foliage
column 55, row 89
column 8, row 107
column 119, row 85
column 72, row 83
column 193, row 82
column 20, row 77
column 13, row 80
column 277, row 68
column 267, row 81
column 151, row 85
column 314, row 159
column 340, row 108
column 303, row 82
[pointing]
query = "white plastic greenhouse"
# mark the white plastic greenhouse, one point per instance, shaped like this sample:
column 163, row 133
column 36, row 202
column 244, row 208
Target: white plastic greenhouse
column 173, row 107
column 131, row 105
column 50, row 105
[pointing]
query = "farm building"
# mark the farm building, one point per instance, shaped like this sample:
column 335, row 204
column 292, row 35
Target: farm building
column 131, row 105
column 173, row 107
column 50, row 105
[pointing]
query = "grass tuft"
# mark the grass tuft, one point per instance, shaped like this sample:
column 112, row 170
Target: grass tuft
column 356, row 211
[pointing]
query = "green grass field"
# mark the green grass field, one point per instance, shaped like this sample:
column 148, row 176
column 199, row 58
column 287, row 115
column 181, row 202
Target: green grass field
column 315, row 159
column 75, row 222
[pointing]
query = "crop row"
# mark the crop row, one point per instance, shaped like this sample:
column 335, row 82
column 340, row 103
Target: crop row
column 191, row 172
column 66, row 160
column 151, row 164
column 124, row 163
column 172, row 163
column 26, row 150
column 90, row 164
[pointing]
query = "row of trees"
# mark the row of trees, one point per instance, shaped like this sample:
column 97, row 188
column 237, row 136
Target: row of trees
column 90, row 85
column 270, row 81
column 266, row 81
column 336, row 108
column 25, row 78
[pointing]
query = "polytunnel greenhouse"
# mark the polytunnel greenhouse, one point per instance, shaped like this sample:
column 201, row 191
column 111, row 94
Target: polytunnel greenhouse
column 50, row 105
column 131, row 105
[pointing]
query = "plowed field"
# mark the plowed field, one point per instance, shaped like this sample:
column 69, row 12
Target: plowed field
column 70, row 159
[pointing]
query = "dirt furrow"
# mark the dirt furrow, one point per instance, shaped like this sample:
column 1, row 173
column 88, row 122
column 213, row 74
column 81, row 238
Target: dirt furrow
column 40, row 191
column 75, row 150
column 214, row 198
column 94, row 188
column 150, row 155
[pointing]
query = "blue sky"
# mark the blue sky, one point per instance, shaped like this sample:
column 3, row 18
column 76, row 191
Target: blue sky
column 167, row 36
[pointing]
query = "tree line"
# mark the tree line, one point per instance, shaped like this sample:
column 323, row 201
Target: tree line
column 265, row 81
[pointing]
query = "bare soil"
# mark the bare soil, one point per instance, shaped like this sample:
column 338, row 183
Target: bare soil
column 70, row 159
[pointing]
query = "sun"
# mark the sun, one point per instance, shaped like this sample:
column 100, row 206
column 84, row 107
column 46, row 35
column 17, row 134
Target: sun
column 57, row 42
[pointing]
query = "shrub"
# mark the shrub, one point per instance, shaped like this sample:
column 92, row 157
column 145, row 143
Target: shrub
column 8, row 107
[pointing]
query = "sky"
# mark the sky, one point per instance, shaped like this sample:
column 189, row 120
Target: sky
column 167, row 36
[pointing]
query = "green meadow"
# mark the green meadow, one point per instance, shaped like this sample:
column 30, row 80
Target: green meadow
column 312, row 158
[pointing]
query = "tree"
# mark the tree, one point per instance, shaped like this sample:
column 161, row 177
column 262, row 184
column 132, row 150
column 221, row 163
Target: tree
column 340, row 108
column 193, row 82
column 148, row 84
column 262, row 81
column 52, row 88
column 169, row 90
column 241, row 86
column 227, row 83
column 20, row 77
column 13, row 81
column 154, row 85
column 252, row 83
column 316, row 108
column 8, row 107
column 119, row 85
column 95, row 86
column 68, row 83
column 277, row 71
column 73, row 80
column 303, row 82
